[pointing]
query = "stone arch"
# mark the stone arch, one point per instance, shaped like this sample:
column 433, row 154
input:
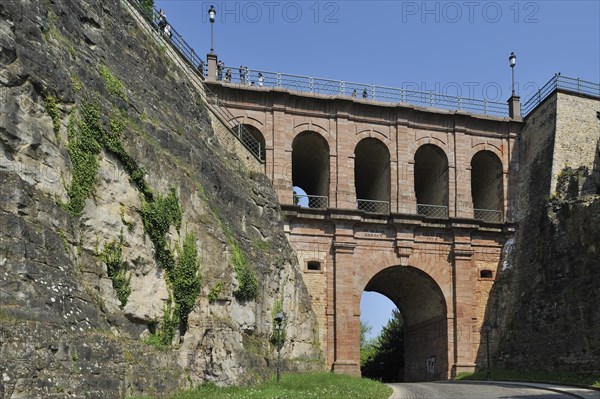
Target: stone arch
column 433, row 140
column 425, row 314
column 431, row 179
column 372, row 177
column 310, row 165
column 312, row 127
column 487, row 182
column 487, row 147
column 373, row 133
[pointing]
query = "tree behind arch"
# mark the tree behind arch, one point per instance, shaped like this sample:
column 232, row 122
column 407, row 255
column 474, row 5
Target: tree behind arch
column 385, row 360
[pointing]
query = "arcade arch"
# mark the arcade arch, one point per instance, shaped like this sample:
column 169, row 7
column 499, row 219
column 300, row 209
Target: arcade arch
column 310, row 167
column 431, row 181
column 372, row 175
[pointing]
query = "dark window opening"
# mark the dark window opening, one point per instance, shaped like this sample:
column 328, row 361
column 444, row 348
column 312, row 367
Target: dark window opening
column 313, row 265
column 486, row 274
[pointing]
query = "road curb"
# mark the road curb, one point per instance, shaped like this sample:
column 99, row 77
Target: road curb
column 573, row 391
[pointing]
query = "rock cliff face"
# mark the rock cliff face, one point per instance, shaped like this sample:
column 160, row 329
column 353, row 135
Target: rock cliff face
column 544, row 305
column 114, row 191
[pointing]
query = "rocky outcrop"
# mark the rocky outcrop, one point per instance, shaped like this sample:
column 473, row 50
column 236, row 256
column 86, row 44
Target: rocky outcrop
column 544, row 305
column 65, row 330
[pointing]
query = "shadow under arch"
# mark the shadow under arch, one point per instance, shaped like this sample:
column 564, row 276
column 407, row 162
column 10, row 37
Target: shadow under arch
column 431, row 180
column 310, row 166
column 372, row 172
column 487, row 186
column 424, row 313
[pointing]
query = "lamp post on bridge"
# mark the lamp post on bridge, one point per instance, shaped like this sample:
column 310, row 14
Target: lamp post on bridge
column 211, row 57
column 512, row 61
column 212, row 13
column 514, row 102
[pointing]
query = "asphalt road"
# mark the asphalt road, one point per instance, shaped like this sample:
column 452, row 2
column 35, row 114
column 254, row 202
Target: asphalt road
column 451, row 390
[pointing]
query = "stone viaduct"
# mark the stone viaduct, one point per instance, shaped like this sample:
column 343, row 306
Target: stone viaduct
column 414, row 203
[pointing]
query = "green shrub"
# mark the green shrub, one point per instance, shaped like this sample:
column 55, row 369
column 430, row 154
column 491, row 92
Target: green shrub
column 186, row 279
column 248, row 286
column 52, row 110
column 83, row 147
column 215, row 292
column 147, row 7
column 112, row 256
column 163, row 337
column 113, row 84
column 159, row 214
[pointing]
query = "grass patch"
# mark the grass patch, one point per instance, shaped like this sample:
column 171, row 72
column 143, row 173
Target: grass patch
column 534, row 376
column 309, row 385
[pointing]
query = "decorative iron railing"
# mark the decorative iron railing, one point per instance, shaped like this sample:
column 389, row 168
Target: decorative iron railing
column 433, row 211
column 488, row 215
column 311, row 201
column 360, row 90
column 189, row 56
column 572, row 85
column 373, row 206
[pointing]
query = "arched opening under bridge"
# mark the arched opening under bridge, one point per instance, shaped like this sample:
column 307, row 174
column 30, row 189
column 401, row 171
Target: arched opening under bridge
column 424, row 316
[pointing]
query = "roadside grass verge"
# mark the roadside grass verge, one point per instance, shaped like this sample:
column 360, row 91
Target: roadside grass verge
column 534, row 376
column 292, row 386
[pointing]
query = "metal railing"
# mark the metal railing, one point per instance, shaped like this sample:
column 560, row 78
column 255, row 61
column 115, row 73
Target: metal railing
column 361, row 90
column 190, row 57
column 433, row 211
column 488, row 215
column 572, row 85
column 311, row 201
column 373, row 206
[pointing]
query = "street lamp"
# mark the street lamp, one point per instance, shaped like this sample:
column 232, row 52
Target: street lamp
column 512, row 60
column 279, row 319
column 212, row 13
column 487, row 327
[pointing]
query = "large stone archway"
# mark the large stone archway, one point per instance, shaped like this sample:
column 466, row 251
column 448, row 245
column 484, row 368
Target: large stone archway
column 424, row 313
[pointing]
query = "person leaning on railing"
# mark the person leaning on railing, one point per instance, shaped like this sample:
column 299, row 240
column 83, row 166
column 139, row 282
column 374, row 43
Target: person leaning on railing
column 220, row 66
column 162, row 19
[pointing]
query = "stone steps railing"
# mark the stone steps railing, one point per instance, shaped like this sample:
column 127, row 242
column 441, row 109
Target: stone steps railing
column 188, row 57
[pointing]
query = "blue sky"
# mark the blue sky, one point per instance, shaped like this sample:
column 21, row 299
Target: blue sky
column 451, row 47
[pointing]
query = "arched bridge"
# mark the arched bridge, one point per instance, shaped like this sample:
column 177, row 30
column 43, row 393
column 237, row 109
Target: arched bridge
column 415, row 203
